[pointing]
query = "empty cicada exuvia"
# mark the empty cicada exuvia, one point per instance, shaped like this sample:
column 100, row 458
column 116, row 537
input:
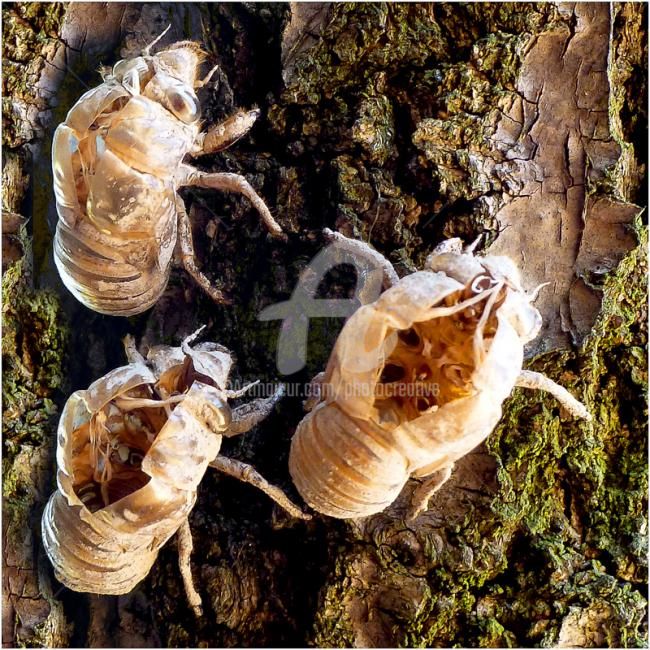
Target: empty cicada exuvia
column 131, row 451
column 118, row 161
column 415, row 381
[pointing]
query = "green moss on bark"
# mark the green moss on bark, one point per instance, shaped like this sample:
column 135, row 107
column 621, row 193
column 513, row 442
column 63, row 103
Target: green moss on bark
column 394, row 106
column 33, row 349
column 33, row 354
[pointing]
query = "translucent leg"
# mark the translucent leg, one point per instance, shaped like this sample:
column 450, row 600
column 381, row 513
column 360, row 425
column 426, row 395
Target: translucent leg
column 530, row 379
column 189, row 259
column 222, row 135
column 147, row 50
column 248, row 474
column 315, row 392
column 363, row 249
column 185, row 546
column 206, row 79
column 230, row 183
column 424, row 492
column 132, row 354
column 246, row 416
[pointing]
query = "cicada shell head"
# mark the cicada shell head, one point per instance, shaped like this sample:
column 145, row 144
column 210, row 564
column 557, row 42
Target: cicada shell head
column 183, row 60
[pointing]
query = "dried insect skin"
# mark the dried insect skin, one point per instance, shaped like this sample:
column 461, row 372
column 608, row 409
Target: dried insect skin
column 131, row 451
column 118, row 162
column 416, row 381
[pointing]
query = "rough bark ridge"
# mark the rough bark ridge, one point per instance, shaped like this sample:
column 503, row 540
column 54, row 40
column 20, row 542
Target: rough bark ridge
column 398, row 124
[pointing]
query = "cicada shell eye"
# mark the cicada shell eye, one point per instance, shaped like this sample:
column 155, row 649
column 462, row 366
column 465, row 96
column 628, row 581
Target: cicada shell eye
column 175, row 95
column 184, row 104
column 503, row 268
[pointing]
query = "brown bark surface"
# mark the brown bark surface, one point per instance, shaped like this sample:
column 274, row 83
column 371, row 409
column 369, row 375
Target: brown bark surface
column 400, row 125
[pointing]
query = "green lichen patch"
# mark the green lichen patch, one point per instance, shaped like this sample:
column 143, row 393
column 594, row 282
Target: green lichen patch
column 33, row 352
column 34, row 339
column 40, row 620
column 394, row 108
column 628, row 106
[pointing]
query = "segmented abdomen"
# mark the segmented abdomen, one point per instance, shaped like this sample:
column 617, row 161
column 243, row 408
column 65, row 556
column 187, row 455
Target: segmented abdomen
column 92, row 555
column 341, row 467
column 100, row 276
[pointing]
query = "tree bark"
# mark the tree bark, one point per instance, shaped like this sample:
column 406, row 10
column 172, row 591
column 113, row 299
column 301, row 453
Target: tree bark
column 401, row 125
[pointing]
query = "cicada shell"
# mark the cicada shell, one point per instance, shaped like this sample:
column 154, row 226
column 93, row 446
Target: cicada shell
column 415, row 381
column 118, row 160
column 131, row 451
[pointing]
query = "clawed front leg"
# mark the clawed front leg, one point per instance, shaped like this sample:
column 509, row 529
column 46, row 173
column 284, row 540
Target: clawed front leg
column 223, row 135
column 230, row 183
column 424, row 492
column 248, row 474
column 203, row 82
column 189, row 259
column 315, row 392
column 530, row 379
column 185, row 546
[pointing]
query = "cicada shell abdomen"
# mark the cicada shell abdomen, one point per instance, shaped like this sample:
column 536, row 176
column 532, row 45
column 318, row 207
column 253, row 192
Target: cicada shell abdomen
column 415, row 381
column 131, row 451
column 114, row 159
column 341, row 468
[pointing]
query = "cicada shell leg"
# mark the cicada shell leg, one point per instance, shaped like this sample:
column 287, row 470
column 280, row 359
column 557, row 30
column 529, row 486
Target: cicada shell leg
column 146, row 51
column 422, row 495
column 315, row 392
column 222, row 136
column 185, row 548
column 362, row 249
column 230, row 183
column 206, row 79
column 537, row 381
column 189, row 258
column 246, row 416
column 248, row 474
column 131, row 351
